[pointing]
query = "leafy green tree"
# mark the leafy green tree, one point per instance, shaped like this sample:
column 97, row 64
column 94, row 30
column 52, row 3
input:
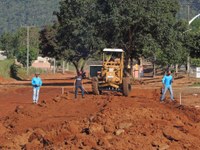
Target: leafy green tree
column 195, row 62
column 192, row 39
column 49, row 45
column 195, row 26
column 77, row 34
column 117, row 24
column 15, row 45
column 22, row 56
column 142, row 27
column 9, row 44
column 21, row 53
column 15, row 13
column 192, row 43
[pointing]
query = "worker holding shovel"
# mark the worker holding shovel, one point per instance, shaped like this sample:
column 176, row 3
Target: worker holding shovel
column 78, row 83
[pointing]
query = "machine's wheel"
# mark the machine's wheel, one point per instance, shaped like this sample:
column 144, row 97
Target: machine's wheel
column 126, row 86
column 100, row 92
column 95, row 88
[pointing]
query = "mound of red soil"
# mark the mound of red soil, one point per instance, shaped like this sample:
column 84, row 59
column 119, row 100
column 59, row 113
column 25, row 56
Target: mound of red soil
column 5, row 80
column 67, row 74
column 2, row 79
column 108, row 121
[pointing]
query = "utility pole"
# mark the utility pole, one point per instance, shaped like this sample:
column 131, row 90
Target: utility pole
column 27, row 47
column 188, row 12
column 188, row 57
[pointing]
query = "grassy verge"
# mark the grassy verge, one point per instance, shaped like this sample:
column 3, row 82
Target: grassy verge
column 10, row 70
column 196, row 84
column 5, row 68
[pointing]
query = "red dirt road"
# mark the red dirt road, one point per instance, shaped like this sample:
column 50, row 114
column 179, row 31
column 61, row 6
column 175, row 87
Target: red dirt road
column 108, row 121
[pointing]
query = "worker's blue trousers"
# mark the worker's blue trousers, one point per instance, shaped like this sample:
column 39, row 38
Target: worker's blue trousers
column 164, row 92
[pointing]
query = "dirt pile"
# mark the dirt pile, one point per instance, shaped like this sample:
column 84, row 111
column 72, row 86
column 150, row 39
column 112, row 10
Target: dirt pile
column 102, row 122
column 1, row 79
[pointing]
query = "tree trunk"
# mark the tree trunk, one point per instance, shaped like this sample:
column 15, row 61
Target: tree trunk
column 188, row 64
column 154, row 69
column 131, row 67
column 76, row 67
column 79, row 67
column 127, row 56
column 83, row 65
column 176, row 68
column 128, row 51
column 63, row 67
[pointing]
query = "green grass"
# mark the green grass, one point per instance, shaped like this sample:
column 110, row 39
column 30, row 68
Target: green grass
column 21, row 72
column 5, row 68
column 196, row 84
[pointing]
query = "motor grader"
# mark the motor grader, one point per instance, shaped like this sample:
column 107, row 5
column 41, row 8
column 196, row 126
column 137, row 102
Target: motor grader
column 111, row 77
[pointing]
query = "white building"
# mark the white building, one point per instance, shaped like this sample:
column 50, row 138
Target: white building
column 42, row 63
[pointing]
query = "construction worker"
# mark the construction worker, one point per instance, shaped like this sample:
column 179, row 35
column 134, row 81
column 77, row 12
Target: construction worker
column 36, row 83
column 141, row 71
column 167, row 85
column 79, row 84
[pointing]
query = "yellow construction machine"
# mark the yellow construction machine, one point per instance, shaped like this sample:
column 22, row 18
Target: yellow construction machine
column 111, row 77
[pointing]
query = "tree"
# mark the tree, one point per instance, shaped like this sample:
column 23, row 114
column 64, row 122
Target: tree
column 21, row 53
column 15, row 45
column 9, row 44
column 49, row 45
column 22, row 56
column 77, row 34
column 192, row 43
column 118, row 24
column 142, row 27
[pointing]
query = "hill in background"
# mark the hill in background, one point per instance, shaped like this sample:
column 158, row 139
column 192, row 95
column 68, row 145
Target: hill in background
column 17, row 13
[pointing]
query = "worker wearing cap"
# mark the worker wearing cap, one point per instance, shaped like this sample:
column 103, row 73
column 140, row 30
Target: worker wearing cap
column 79, row 84
column 36, row 83
column 167, row 85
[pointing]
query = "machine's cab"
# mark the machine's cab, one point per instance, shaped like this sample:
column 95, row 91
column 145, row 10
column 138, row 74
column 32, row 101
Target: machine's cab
column 113, row 65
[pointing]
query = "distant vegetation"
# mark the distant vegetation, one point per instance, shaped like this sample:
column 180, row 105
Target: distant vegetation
column 192, row 5
column 155, row 30
column 14, row 14
column 149, row 29
column 5, row 68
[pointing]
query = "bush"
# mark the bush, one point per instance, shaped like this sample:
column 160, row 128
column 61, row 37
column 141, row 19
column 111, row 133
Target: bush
column 195, row 62
column 14, row 71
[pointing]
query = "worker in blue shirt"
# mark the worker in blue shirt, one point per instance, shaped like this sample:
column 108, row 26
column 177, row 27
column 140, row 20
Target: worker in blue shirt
column 36, row 83
column 167, row 85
